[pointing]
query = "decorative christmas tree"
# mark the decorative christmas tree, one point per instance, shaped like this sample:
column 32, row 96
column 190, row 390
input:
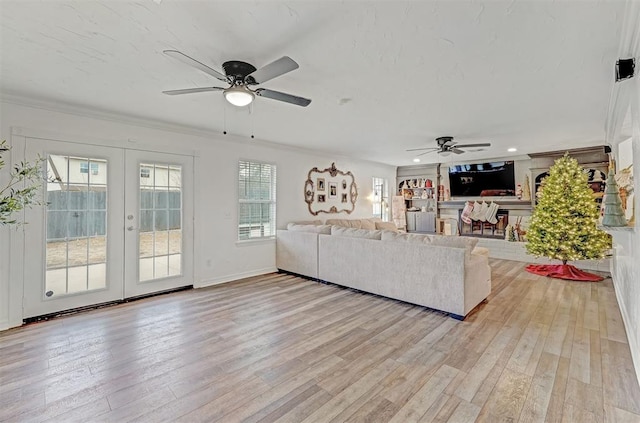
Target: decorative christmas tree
column 563, row 225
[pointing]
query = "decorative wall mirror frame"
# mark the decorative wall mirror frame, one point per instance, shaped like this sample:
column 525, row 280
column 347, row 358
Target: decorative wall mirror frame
column 330, row 191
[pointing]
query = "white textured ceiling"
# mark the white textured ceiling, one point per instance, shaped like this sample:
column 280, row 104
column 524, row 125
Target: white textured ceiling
column 383, row 76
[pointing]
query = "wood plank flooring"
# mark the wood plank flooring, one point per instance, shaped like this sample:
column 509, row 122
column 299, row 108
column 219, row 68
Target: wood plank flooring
column 281, row 348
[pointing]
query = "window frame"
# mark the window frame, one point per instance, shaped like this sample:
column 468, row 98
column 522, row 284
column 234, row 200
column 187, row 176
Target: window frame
column 381, row 201
column 271, row 202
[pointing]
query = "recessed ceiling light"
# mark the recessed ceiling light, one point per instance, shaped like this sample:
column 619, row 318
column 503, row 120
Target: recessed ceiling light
column 416, row 160
column 512, row 150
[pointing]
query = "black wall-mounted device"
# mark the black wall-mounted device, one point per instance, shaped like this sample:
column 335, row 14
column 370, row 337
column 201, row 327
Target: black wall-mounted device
column 625, row 69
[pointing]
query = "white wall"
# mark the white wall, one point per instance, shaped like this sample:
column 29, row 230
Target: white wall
column 625, row 267
column 219, row 258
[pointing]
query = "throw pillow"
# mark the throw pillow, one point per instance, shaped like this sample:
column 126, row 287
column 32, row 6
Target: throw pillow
column 386, row 226
column 345, row 223
column 308, row 222
column 355, row 233
column 317, row 229
column 368, row 224
column 353, row 223
column 480, row 251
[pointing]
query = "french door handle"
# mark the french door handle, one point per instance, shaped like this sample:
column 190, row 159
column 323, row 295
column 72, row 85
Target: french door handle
column 130, row 228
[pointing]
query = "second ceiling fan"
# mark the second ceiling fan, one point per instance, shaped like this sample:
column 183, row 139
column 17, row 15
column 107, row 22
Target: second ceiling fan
column 446, row 146
column 240, row 76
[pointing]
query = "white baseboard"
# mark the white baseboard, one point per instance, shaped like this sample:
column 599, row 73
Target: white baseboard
column 4, row 325
column 632, row 337
column 235, row 277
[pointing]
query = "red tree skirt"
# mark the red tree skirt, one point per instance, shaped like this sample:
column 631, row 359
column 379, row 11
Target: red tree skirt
column 562, row 271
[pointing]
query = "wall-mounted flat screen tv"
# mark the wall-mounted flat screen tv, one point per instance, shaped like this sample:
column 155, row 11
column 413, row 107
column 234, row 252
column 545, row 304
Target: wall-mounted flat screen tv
column 482, row 179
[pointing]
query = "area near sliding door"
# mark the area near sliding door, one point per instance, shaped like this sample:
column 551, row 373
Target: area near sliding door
column 117, row 223
column 159, row 222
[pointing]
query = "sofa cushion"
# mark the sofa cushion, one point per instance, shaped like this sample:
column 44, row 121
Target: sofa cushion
column 386, row 226
column 318, row 229
column 395, row 236
column 468, row 243
column 355, row 233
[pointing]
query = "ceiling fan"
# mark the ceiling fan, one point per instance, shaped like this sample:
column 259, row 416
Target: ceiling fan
column 240, row 76
column 446, row 146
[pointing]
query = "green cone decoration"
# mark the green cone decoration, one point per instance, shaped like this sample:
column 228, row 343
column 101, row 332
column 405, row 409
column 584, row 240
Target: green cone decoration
column 613, row 211
column 526, row 190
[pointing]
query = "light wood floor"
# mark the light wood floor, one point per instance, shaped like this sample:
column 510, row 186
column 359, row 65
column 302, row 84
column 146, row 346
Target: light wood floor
column 281, row 348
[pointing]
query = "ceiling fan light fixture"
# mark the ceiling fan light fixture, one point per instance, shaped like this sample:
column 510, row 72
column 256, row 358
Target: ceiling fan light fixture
column 239, row 95
column 444, row 153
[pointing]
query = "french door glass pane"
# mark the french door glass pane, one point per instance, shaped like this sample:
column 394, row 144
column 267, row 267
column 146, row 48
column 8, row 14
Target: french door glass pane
column 76, row 225
column 160, row 229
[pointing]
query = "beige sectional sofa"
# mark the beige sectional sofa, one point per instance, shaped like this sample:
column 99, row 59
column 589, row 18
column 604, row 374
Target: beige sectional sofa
column 441, row 272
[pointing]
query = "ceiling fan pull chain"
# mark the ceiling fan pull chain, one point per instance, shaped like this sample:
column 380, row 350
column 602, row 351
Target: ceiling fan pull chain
column 224, row 110
column 251, row 106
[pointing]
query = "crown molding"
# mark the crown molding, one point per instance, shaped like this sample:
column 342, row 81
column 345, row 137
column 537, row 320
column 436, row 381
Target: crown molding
column 92, row 112
column 599, row 149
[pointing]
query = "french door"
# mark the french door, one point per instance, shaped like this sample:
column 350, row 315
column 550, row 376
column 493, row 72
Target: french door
column 117, row 223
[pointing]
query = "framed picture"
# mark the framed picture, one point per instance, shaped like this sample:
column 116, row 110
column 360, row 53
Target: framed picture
column 333, row 189
column 330, row 190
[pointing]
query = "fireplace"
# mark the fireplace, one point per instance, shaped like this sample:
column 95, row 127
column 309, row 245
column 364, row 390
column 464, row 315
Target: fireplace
column 485, row 229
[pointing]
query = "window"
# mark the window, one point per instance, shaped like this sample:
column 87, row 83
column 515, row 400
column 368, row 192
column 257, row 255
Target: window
column 256, row 200
column 85, row 166
column 380, row 198
column 160, row 224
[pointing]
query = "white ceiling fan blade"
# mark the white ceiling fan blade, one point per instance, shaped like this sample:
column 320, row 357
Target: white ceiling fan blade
column 192, row 90
column 426, row 152
column 272, row 70
column 280, row 96
column 194, row 63
column 423, row 148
